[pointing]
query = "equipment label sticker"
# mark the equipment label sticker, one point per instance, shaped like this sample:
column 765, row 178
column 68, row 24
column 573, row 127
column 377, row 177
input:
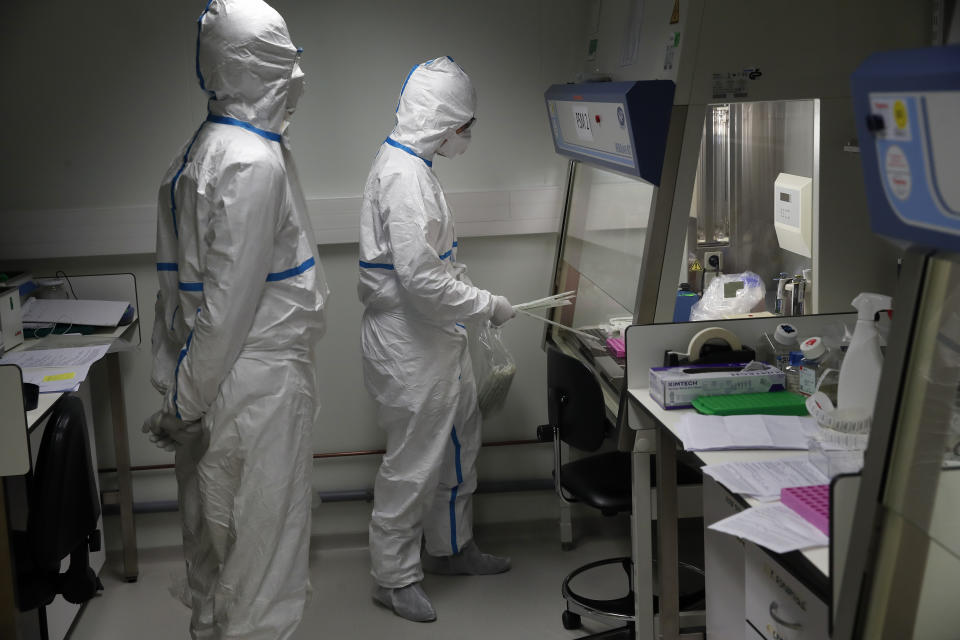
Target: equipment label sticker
column 581, row 118
column 734, row 84
column 896, row 117
column 898, row 172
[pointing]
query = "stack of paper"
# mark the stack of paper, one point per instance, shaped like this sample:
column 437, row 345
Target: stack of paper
column 774, row 526
column 56, row 370
column 98, row 313
column 706, row 433
column 764, row 480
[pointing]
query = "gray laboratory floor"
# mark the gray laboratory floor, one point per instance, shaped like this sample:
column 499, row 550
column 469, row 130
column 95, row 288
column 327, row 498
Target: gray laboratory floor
column 523, row 603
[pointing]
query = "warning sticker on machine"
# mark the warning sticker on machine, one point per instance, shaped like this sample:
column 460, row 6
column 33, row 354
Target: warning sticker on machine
column 898, row 172
column 896, row 117
column 733, row 84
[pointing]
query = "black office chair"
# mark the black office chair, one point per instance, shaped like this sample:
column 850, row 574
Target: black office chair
column 63, row 511
column 577, row 417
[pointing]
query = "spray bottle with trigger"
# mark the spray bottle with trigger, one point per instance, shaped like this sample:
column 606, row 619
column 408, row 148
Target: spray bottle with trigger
column 860, row 371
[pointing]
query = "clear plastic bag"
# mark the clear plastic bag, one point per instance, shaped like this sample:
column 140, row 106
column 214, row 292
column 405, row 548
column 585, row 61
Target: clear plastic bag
column 493, row 367
column 729, row 294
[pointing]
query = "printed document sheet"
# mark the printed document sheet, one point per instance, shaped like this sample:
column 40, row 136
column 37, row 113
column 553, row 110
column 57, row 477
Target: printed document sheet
column 56, row 370
column 97, row 313
column 707, row 433
column 774, row 526
column 764, row 480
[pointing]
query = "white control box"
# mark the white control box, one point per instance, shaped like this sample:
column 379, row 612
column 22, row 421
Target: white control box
column 793, row 213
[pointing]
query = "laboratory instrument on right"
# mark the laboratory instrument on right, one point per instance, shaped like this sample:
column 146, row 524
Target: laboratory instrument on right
column 902, row 569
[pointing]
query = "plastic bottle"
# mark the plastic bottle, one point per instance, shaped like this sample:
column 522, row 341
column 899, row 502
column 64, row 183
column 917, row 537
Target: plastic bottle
column 792, row 371
column 816, row 359
column 765, row 351
column 785, row 340
column 860, row 372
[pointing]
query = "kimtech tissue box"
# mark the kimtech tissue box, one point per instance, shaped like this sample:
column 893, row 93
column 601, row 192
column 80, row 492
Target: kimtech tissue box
column 676, row 387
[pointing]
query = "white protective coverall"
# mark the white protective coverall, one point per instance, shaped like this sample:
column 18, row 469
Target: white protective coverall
column 240, row 307
column 415, row 359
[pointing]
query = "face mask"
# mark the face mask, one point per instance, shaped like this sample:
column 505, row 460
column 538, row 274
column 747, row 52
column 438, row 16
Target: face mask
column 295, row 88
column 455, row 144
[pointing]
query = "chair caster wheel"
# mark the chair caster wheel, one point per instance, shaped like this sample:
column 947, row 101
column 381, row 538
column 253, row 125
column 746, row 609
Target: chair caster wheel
column 571, row 620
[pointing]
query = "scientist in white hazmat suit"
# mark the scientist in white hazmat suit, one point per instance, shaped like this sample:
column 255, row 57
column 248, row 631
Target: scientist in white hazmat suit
column 416, row 300
column 240, row 307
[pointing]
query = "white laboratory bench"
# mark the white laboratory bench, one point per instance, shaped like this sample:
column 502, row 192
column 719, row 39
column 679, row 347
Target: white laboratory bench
column 55, row 619
column 751, row 593
column 44, row 404
column 818, row 556
column 749, row 590
column 113, row 286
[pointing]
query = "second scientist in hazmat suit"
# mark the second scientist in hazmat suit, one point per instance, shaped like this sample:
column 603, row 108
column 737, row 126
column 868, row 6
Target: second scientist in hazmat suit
column 415, row 361
column 239, row 310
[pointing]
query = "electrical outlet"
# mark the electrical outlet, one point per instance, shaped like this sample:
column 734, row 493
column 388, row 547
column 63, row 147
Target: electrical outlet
column 706, row 261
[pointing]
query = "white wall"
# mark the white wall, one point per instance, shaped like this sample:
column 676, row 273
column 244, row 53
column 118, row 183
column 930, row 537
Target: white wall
column 106, row 95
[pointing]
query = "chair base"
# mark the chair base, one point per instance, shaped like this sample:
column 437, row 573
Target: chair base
column 620, row 633
column 618, row 610
column 621, row 610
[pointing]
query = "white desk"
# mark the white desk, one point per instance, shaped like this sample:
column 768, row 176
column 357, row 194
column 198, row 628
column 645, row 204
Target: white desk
column 119, row 286
column 645, row 349
column 44, row 404
column 662, row 429
column 818, row 556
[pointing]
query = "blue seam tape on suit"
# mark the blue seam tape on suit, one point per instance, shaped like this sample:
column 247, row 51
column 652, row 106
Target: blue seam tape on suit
column 305, row 266
column 295, row 271
column 403, row 147
column 454, row 491
column 269, row 135
column 176, row 373
column 390, row 267
column 376, row 265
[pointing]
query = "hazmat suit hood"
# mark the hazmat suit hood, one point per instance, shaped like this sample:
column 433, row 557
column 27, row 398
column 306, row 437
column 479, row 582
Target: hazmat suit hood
column 247, row 63
column 437, row 98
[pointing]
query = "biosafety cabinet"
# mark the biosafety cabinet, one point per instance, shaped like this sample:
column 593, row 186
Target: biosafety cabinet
column 723, row 141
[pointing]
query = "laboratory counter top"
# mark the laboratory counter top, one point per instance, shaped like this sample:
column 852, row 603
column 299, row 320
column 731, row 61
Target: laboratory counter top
column 810, row 565
column 44, row 405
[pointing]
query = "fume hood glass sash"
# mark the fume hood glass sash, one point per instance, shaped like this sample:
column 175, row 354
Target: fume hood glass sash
column 914, row 574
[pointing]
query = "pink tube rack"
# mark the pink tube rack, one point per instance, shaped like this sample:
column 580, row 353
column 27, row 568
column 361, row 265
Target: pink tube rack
column 812, row 503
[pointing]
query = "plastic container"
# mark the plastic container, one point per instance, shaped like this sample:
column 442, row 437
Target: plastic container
column 765, row 351
column 811, row 503
column 771, row 403
column 832, row 463
column 792, row 371
column 860, row 373
column 52, row 289
column 685, row 301
column 785, row 340
column 815, row 358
